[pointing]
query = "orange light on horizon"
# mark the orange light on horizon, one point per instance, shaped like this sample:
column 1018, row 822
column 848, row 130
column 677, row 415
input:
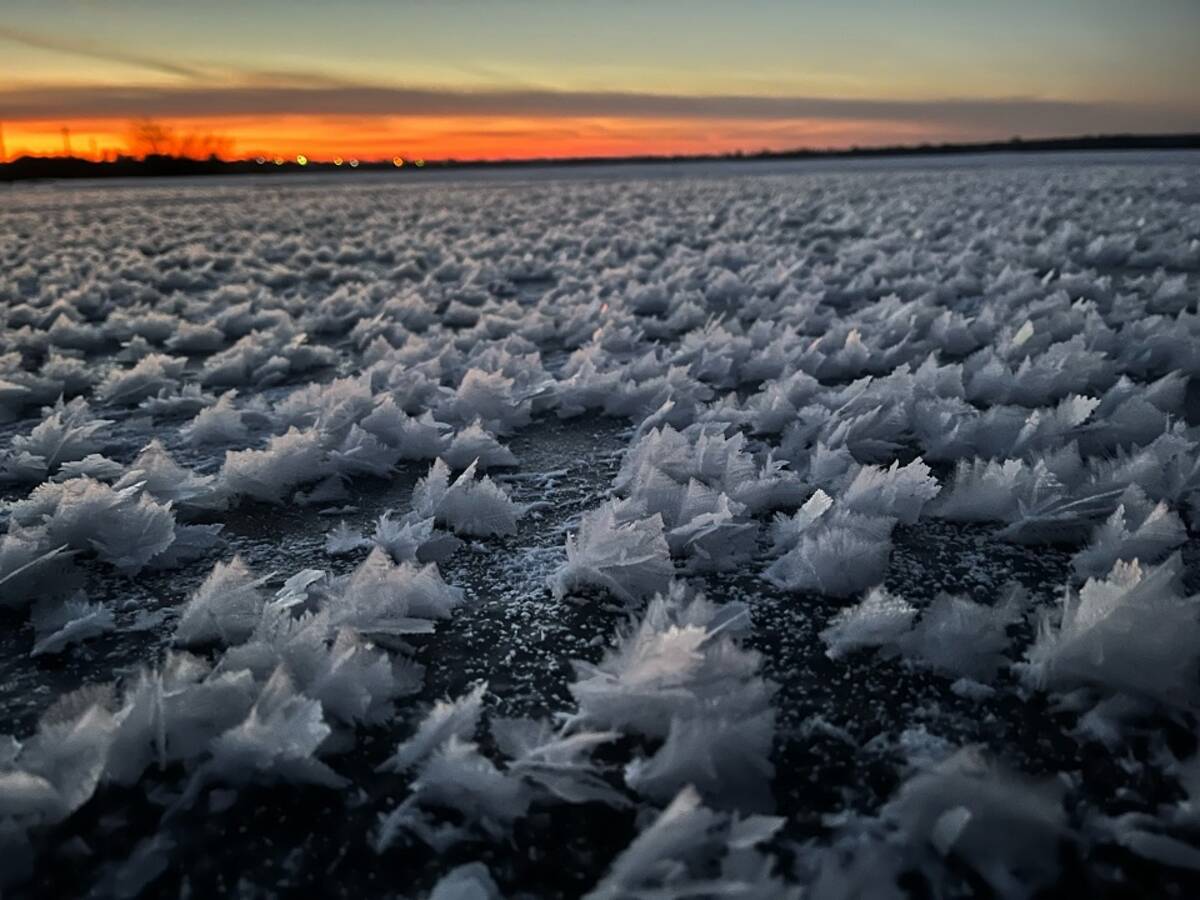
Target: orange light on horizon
column 328, row 138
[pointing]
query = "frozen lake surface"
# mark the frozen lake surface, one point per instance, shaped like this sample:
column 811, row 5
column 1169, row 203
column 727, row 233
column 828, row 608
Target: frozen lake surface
column 823, row 527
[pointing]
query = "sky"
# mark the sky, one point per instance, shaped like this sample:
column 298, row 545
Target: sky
column 471, row 79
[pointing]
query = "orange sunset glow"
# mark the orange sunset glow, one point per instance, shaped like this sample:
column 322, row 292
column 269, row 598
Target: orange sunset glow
column 323, row 139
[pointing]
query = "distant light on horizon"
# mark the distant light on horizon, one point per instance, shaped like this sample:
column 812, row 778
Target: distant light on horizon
column 398, row 161
column 301, row 159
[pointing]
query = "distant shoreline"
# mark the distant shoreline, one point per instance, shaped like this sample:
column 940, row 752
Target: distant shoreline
column 31, row 168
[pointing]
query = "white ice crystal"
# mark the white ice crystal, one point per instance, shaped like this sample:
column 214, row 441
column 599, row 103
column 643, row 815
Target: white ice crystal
column 69, row 432
column 416, row 437
column 168, row 482
column 618, row 552
column 829, row 550
column 468, row 506
column 288, row 460
column 60, row 766
column 876, row 621
column 354, row 681
column 1137, row 529
column 342, row 540
column 727, row 759
column 413, row 539
column 1132, row 632
column 125, row 528
column 220, row 423
column 474, row 444
column 490, row 398
column 714, row 538
column 225, row 608
column 457, row 776
column 458, row 718
column 151, row 375
column 983, row 490
column 361, row 453
column 709, row 458
column 380, row 597
column 173, row 713
column 787, row 531
column 899, row 491
column 692, row 851
column 962, row 637
column 556, row 763
column 678, row 661
column 402, row 539
column 195, row 337
column 264, row 357
column 94, row 465
column 75, row 620
column 277, row 741
column 332, row 407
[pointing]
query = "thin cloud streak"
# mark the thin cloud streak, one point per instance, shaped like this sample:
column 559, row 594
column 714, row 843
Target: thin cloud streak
column 90, row 50
column 997, row 115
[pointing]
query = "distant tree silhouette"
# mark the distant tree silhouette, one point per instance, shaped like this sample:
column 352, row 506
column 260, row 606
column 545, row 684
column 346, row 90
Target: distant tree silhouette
column 148, row 137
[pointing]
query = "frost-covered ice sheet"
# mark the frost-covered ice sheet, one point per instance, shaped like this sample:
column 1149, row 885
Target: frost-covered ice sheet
column 823, row 529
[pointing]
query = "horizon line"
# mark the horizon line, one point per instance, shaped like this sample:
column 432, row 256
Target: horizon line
column 1115, row 140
